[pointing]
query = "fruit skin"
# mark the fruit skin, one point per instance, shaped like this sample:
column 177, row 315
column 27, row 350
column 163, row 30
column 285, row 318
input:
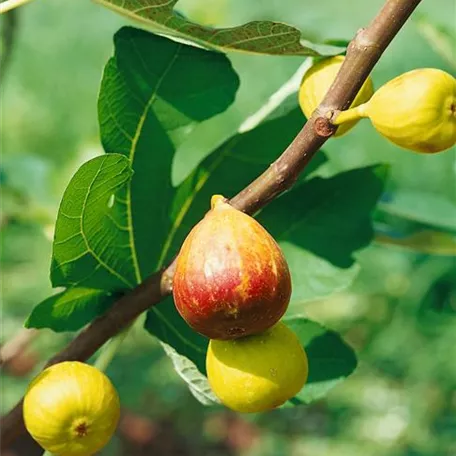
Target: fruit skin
column 259, row 372
column 71, row 409
column 416, row 110
column 316, row 83
column 231, row 277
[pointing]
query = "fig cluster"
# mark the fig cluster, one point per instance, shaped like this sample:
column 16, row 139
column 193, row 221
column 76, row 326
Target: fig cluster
column 416, row 110
column 232, row 284
column 317, row 81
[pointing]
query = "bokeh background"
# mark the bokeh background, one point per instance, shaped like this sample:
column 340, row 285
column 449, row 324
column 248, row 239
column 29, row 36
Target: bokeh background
column 399, row 314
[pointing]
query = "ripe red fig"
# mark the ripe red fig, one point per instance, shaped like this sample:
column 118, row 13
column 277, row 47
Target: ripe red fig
column 231, row 277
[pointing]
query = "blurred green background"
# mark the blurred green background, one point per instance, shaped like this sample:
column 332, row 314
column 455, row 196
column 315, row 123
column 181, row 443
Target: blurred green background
column 399, row 315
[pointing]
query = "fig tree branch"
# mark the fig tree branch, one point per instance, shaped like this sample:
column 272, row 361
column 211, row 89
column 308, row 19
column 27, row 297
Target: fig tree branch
column 362, row 54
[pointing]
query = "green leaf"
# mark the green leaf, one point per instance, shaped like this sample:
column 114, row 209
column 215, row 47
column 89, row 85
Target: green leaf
column 196, row 381
column 331, row 360
column 329, row 217
column 259, row 37
column 110, row 231
column 164, row 322
column 422, row 207
column 254, row 104
column 92, row 244
column 314, row 277
column 70, row 310
column 185, row 347
column 320, row 224
column 154, row 92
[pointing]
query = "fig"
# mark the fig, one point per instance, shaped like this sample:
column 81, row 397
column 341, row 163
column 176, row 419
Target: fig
column 259, row 372
column 231, row 277
column 416, row 110
column 318, row 80
column 71, row 409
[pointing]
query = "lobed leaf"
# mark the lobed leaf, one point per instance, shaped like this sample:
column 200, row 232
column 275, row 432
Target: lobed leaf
column 110, row 226
column 145, row 112
column 259, row 37
column 320, row 224
column 329, row 217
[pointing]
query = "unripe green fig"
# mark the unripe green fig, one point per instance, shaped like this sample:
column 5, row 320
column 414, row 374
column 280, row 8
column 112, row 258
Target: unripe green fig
column 231, row 277
column 257, row 373
column 318, row 80
column 416, row 110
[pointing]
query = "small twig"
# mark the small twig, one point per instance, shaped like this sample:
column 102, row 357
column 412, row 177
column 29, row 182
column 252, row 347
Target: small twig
column 17, row 345
column 9, row 5
column 362, row 54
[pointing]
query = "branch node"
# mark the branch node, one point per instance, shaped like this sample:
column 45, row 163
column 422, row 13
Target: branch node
column 363, row 41
column 323, row 127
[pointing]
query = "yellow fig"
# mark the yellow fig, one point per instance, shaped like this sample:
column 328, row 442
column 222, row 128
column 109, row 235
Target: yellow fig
column 316, row 83
column 259, row 372
column 416, row 110
column 71, row 409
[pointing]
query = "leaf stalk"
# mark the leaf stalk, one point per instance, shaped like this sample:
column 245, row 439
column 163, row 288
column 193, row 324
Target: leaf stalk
column 9, row 5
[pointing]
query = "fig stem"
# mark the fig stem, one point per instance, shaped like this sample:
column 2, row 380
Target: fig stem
column 350, row 114
column 216, row 200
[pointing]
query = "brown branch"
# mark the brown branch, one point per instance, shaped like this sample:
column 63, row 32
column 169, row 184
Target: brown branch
column 362, row 54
